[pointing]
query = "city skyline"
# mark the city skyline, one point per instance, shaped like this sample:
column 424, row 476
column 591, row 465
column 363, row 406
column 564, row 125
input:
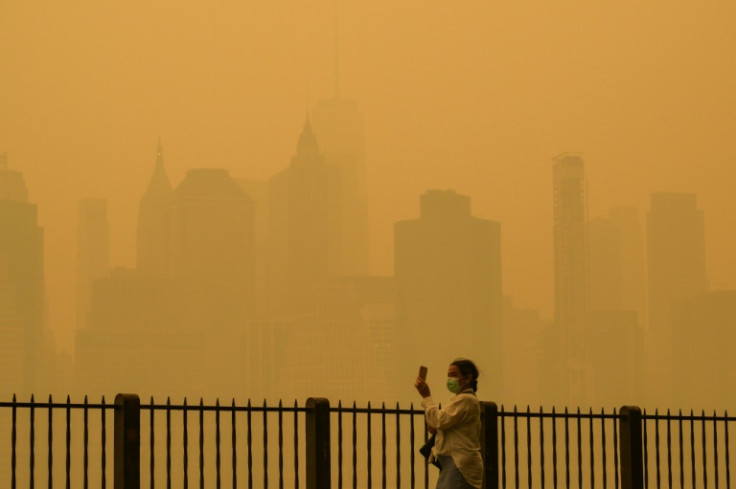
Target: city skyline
column 475, row 98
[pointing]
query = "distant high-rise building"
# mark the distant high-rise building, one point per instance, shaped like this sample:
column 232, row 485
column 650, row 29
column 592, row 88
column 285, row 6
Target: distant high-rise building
column 570, row 275
column 21, row 270
column 676, row 273
column 675, row 254
column 616, row 293
column 449, row 291
column 305, row 216
column 258, row 191
column 210, row 235
column 633, row 261
column 338, row 125
column 151, row 238
column 93, row 251
column 616, row 263
column 704, row 366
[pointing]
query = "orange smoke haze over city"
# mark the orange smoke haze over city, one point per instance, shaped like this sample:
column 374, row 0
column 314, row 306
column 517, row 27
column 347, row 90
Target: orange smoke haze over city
column 473, row 96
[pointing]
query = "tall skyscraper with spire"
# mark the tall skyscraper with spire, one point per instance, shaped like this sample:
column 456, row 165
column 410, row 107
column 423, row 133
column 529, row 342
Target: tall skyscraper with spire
column 151, row 236
column 21, row 276
column 570, row 276
column 338, row 125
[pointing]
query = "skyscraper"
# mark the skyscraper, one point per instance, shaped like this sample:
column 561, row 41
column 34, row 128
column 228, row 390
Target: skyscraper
column 210, row 235
column 210, row 252
column 305, row 215
column 151, row 225
column 449, row 291
column 675, row 253
column 676, row 272
column 92, row 252
column 570, row 275
column 338, row 125
column 21, row 270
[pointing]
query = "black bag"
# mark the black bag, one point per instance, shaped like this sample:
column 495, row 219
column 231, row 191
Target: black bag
column 426, row 451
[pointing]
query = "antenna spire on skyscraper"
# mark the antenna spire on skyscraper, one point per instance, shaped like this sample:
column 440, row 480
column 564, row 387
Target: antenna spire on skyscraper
column 337, row 53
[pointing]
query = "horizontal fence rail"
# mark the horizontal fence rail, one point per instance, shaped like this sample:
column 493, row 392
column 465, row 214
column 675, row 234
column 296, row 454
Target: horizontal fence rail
column 318, row 445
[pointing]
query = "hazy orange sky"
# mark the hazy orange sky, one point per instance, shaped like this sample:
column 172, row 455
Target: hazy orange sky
column 476, row 96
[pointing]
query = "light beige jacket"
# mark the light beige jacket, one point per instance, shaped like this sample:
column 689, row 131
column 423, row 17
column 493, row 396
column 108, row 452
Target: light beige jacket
column 458, row 433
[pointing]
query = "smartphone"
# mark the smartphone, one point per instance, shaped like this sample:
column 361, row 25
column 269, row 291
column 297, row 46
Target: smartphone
column 423, row 372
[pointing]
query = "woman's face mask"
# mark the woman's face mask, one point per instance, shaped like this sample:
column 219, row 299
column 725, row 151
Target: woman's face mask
column 453, row 384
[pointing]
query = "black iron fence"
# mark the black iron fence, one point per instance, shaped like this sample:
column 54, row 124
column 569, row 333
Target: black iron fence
column 130, row 444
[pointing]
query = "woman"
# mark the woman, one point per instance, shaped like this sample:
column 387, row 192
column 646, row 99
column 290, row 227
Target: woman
column 457, row 442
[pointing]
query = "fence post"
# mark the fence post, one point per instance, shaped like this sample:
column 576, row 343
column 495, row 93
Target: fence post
column 127, row 470
column 318, row 443
column 489, row 444
column 632, row 470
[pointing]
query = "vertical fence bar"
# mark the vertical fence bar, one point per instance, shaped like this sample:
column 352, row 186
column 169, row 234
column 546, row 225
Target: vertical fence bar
column 682, row 448
column 489, row 444
column 296, row 446
column 567, row 449
column 669, row 449
column 541, row 446
column 656, row 447
column 185, row 444
column 234, row 440
column 86, row 444
column 51, row 445
column 630, row 423
column 517, row 476
column 529, row 446
column 705, row 454
column 265, row 446
column 503, row 447
column 715, row 450
column 249, row 444
column 168, row 443
column 103, row 440
column 383, row 445
column 398, row 448
column 355, row 446
column 281, row 446
column 646, row 449
column 604, row 460
column 615, row 451
column 127, row 441
column 412, row 481
column 13, row 437
column 728, row 461
column 591, row 447
column 554, row 448
column 318, row 443
column 217, row 443
column 68, row 465
column 579, row 436
column 201, row 443
column 339, row 445
column 692, row 448
column 32, row 458
column 152, row 445
column 369, row 438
